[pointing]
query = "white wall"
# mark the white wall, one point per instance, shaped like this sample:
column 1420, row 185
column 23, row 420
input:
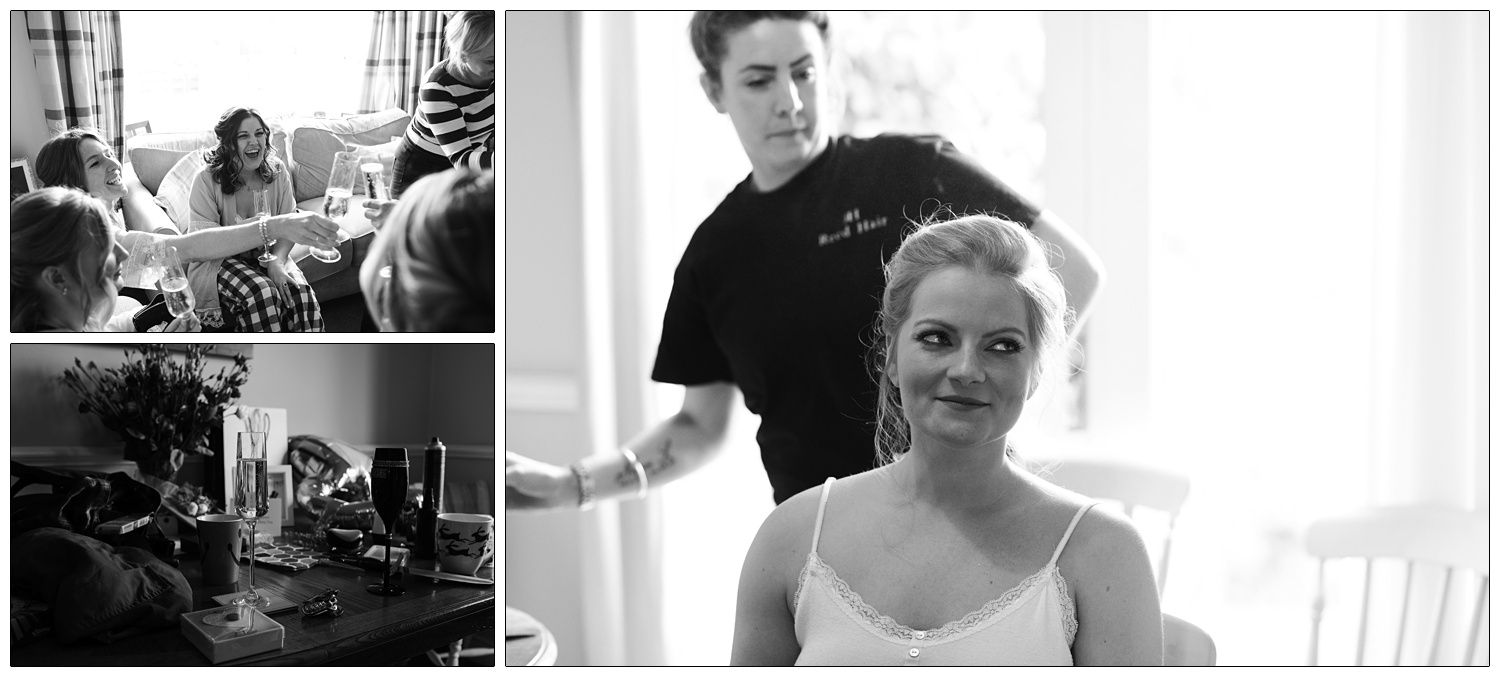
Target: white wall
column 365, row 394
column 544, row 319
column 359, row 393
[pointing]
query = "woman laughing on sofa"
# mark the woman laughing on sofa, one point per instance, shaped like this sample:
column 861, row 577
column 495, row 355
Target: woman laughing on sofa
column 79, row 158
column 241, row 292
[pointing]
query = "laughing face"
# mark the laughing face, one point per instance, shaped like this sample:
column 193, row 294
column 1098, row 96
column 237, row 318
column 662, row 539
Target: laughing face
column 251, row 142
column 964, row 360
column 101, row 170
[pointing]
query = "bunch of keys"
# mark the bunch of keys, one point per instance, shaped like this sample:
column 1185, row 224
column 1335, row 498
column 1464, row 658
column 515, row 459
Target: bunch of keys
column 325, row 603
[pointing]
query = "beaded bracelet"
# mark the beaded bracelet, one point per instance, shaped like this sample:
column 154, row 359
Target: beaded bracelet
column 640, row 470
column 585, row 485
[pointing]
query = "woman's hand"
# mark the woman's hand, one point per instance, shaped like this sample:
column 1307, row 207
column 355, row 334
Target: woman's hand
column 282, row 280
column 309, row 228
column 188, row 322
column 533, row 485
column 377, row 210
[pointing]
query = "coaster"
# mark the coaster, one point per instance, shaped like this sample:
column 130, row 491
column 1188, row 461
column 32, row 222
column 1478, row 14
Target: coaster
column 277, row 604
column 287, row 556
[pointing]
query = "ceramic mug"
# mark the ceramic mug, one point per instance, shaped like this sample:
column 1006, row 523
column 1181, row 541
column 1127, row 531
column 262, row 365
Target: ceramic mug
column 219, row 539
column 465, row 541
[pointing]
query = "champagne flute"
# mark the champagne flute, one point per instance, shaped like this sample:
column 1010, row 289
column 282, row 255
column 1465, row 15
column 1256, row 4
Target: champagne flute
column 252, row 501
column 174, row 285
column 374, row 174
column 262, row 200
column 388, row 480
column 336, row 199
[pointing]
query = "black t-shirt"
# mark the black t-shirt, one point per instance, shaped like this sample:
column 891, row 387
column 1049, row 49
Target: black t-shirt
column 778, row 293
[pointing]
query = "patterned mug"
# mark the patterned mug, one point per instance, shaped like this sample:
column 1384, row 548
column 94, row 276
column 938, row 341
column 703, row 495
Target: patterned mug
column 465, row 542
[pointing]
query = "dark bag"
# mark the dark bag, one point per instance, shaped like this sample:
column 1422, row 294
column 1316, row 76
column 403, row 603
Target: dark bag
column 151, row 315
column 81, row 501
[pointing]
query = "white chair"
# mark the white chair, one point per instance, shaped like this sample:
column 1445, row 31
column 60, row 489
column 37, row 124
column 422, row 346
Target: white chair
column 1186, row 644
column 1133, row 485
column 1453, row 539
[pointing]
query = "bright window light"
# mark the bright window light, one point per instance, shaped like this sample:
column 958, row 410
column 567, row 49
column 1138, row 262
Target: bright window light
column 182, row 69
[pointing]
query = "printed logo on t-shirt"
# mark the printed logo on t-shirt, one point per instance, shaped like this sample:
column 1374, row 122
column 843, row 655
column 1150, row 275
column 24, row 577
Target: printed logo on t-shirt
column 852, row 225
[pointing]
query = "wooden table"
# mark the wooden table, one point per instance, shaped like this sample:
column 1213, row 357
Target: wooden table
column 374, row 630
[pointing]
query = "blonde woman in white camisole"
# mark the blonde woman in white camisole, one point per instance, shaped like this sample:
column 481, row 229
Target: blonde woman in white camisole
column 950, row 553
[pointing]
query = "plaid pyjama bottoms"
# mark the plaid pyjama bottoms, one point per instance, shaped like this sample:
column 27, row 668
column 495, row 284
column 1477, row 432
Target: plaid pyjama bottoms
column 251, row 303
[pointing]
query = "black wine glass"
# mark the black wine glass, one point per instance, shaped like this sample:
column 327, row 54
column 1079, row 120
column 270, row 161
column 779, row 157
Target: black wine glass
column 388, row 479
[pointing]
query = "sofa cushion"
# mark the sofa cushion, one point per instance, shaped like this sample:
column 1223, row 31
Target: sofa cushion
column 152, row 164
column 177, row 189
column 145, row 150
column 314, row 141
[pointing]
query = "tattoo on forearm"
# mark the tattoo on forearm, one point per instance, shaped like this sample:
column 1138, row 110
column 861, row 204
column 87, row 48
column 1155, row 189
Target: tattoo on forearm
column 654, row 467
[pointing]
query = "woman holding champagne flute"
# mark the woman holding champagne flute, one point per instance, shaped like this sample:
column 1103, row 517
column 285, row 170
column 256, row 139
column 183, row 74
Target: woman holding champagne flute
column 250, row 291
column 65, row 265
column 79, row 158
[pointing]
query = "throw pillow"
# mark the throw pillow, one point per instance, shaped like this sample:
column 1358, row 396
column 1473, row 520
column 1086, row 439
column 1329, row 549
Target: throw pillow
column 152, row 164
column 177, row 188
column 313, row 141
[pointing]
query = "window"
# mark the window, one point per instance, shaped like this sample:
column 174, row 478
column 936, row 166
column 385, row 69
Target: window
column 182, row 69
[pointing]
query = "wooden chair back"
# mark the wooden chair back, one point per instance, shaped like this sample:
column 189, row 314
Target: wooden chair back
column 1133, row 485
column 1430, row 535
column 1186, row 644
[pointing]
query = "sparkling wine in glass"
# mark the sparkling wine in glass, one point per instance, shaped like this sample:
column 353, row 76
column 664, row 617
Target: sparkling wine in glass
column 389, row 477
column 375, row 186
column 251, row 501
column 336, row 199
column 174, row 285
column 262, row 200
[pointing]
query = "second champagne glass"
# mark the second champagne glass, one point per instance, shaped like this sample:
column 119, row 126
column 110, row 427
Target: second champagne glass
column 336, row 199
column 389, row 476
column 174, row 285
column 251, row 501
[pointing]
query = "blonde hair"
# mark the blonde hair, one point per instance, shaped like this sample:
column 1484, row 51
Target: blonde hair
column 54, row 226
column 981, row 243
column 469, row 31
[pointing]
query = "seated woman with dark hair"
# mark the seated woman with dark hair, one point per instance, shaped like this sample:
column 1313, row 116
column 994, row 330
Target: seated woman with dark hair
column 240, row 291
column 432, row 265
column 79, row 158
column 65, row 265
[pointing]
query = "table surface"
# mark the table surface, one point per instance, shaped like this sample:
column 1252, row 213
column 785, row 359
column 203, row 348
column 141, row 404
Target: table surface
column 374, row 630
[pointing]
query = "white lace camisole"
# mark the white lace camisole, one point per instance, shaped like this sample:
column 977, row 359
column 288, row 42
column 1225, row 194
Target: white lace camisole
column 1031, row 624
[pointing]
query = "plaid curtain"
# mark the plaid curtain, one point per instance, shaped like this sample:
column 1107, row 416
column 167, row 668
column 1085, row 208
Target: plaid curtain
column 78, row 61
column 403, row 46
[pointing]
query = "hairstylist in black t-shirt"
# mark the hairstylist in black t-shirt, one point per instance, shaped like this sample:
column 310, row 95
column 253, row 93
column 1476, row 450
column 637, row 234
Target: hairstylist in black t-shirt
column 777, row 290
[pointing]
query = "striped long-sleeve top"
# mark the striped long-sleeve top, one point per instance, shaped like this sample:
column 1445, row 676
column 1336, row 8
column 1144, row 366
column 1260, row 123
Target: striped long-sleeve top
column 454, row 120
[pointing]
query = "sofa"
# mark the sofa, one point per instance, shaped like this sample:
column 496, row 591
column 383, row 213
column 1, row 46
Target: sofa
column 307, row 146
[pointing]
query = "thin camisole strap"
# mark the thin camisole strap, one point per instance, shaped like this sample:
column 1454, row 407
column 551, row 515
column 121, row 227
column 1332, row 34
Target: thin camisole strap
column 822, row 502
column 1066, row 534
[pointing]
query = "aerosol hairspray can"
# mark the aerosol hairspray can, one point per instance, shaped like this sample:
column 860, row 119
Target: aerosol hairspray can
column 432, row 498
